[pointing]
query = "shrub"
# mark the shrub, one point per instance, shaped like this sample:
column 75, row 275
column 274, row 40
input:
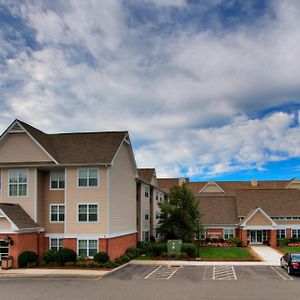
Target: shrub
column 152, row 239
column 70, row 264
column 27, row 258
column 283, row 242
column 107, row 265
column 145, row 246
column 184, row 255
column 81, row 258
column 66, row 255
column 190, row 249
column 51, row 256
column 158, row 249
column 236, row 241
column 132, row 253
column 101, row 257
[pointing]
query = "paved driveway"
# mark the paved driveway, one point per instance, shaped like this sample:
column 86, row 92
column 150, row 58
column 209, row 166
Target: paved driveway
column 136, row 282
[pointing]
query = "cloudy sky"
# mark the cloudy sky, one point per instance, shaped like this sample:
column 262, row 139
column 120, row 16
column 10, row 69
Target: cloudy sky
column 208, row 89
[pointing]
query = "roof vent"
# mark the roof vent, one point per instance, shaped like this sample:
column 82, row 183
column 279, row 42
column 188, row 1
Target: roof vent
column 254, row 183
column 16, row 128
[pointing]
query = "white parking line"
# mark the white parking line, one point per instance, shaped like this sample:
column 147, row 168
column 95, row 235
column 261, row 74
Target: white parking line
column 281, row 275
column 162, row 272
column 223, row 273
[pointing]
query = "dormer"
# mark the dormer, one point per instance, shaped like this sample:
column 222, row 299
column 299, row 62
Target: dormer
column 211, row 187
column 294, row 184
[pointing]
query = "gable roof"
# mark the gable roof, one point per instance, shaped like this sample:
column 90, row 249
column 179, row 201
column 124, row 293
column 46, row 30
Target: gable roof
column 210, row 184
column 253, row 212
column 279, row 202
column 146, row 174
column 217, row 210
column 18, row 216
column 78, row 148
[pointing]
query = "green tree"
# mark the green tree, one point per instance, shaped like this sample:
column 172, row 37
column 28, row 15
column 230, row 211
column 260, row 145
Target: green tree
column 178, row 218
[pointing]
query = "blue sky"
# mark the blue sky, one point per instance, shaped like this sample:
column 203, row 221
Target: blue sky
column 207, row 89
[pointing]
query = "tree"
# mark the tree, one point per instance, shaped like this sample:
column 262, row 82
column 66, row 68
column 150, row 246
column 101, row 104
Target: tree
column 178, row 218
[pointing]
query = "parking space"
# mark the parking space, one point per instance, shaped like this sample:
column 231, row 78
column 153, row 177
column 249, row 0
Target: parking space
column 204, row 273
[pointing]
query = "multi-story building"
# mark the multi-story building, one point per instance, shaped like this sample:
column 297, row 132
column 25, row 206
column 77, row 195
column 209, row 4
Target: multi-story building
column 148, row 198
column 75, row 190
column 255, row 211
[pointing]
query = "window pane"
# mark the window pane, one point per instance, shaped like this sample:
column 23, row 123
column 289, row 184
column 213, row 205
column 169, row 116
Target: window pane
column 93, row 208
column 83, row 173
column 22, row 176
column 60, row 243
column 54, row 185
column 93, row 182
column 93, row 217
column 22, row 189
column 93, row 173
column 62, row 184
column 82, row 244
column 13, row 190
column 61, row 213
column 82, row 182
column 13, row 176
column 82, row 208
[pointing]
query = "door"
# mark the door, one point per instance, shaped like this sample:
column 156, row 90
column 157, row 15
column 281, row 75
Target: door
column 256, row 236
column 4, row 249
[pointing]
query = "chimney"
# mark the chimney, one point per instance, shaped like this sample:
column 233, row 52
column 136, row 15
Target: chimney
column 181, row 181
column 254, row 183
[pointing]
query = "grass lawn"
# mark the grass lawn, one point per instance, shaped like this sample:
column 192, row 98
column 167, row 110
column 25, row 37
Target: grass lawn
column 221, row 253
column 287, row 249
column 146, row 256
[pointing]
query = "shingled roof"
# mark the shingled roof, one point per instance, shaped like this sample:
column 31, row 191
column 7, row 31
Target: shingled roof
column 79, row 148
column 279, row 202
column 18, row 216
column 217, row 210
column 146, row 174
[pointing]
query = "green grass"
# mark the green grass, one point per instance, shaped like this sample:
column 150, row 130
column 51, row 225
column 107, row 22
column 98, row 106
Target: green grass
column 146, row 256
column 224, row 253
column 287, row 249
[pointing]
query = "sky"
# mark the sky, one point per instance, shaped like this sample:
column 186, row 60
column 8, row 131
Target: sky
column 207, row 89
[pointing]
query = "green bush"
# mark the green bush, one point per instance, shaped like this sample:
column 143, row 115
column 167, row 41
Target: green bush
column 70, row 264
column 283, row 242
column 101, row 257
column 132, row 253
column 145, row 246
column 190, row 249
column 184, row 255
column 66, row 255
column 236, row 241
column 107, row 265
column 27, row 258
column 51, row 256
column 158, row 249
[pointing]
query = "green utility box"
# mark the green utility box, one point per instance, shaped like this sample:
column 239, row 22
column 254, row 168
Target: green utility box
column 174, row 246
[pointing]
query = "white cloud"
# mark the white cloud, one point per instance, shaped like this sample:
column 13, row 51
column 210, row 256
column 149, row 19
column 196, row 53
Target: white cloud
column 187, row 97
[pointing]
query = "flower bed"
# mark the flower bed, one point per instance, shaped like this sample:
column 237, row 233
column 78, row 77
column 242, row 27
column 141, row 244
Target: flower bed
column 216, row 244
column 294, row 244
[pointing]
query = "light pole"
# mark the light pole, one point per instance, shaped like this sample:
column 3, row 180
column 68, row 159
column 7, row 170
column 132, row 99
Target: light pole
column 198, row 233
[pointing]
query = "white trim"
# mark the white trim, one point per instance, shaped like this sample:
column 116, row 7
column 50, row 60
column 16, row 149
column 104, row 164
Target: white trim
column 90, row 236
column 55, row 238
column 57, row 204
column 27, row 182
column 65, row 201
column 88, row 187
column 258, row 227
column 88, row 222
column 35, row 195
column 211, row 183
column 13, row 225
column 108, row 199
column 258, row 209
column 288, row 226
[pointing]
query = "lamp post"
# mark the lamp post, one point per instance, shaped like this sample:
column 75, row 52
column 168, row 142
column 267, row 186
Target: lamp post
column 198, row 233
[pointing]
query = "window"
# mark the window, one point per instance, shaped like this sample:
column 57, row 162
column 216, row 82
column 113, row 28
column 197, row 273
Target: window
column 228, row 233
column 57, row 213
column 160, row 197
column 295, row 233
column 146, row 191
column 201, row 236
column 146, row 235
column 157, row 215
column 88, row 177
column 280, row 233
column 146, row 216
column 57, row 180
column 87, row 247
column 88, row 212
column 17, row 182
column 56, row 244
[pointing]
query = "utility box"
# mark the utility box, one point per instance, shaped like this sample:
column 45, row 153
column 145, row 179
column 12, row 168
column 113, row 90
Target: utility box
column 6, row 262
column 174, row 246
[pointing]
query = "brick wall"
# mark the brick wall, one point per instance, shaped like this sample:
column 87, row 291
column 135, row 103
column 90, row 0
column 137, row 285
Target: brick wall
column 70, row 243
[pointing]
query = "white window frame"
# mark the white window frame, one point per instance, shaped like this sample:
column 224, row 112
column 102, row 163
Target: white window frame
column 9, row 184
column 50, row 214
column 297, row 230
column 230, row 233
column 88, row 244
column 147, row 191
column 58, row 242
column 279, row 232
column 88, row 186
column 59, row 188
column 98, row 214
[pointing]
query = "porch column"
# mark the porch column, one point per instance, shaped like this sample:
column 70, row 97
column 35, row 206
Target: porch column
column 273, row 238
column 288, row 233
column 244, row 237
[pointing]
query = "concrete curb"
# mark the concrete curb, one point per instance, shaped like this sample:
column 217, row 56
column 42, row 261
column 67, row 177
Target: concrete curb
column 114, row 270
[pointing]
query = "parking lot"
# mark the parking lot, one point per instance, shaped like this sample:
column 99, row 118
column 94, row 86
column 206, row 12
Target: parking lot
column 137, row 282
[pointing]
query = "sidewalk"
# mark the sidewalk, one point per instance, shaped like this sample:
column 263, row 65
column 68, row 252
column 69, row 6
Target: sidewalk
column 268, row 255
column 65, row 273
